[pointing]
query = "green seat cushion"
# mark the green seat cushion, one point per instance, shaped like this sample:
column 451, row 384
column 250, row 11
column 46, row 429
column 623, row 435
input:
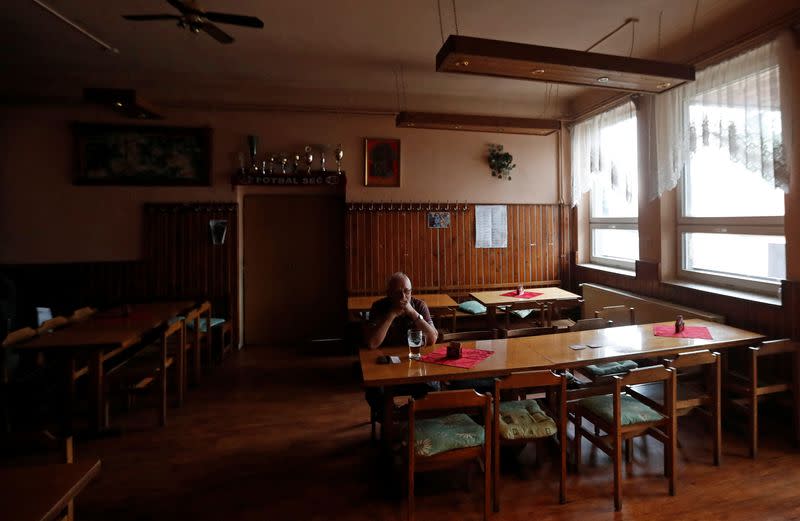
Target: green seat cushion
column 522, row 313
column 472, row 306
column 622, row 366
column 455, row 431
column 633, row 411
column 204, row 323
column 524, row 419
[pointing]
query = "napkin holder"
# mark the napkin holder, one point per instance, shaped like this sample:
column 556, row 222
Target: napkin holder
column 454, row 350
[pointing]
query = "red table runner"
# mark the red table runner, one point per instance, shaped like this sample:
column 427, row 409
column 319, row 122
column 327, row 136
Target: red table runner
column 525, row 294
column 469, row 357
column 688, row 332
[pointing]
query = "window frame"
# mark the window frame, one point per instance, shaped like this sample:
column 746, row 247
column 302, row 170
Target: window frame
column 739, row 225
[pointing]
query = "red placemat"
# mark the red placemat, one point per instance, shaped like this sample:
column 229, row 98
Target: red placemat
column 469, row 357
column 688, row 332
column 525, row 294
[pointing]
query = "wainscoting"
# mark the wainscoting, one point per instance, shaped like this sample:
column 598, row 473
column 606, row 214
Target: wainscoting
column 382, row 241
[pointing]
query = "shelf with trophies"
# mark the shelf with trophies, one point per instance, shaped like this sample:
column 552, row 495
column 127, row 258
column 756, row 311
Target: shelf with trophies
column 306, row 168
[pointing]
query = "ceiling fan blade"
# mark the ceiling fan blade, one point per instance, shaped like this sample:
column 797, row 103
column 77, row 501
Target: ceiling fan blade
column 143, row 17
column 234, row 19
column 216, row 33
column 182, row 7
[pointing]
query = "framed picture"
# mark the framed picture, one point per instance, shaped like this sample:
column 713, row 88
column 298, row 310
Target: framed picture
column 142, row 155
column 438, row 219
column 381, row 162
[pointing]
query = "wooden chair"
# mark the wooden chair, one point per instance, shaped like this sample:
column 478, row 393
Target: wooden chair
column 751, row 386
column 528, row 331
column 52, row 324
column 518, row 309
column 587, row 324
column 522, row 421
column 82, row 314
column 619, row 315
column 149, row 366
column 8, row 361
column 488, row 334
column 425, row 448
column 705, row 396
column 199, row 337
column 623, row 416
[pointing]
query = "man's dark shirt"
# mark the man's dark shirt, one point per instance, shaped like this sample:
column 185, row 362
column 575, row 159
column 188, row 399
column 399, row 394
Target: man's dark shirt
column 398, row 331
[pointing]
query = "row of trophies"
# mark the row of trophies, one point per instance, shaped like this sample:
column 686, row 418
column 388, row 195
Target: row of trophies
column 269, row 165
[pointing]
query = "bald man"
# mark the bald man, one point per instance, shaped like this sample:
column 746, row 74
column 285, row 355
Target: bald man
column 392, row 316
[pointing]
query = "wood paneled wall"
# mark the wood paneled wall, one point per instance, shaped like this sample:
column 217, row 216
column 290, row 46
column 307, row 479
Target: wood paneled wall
column 383, row 241
column 179, row 261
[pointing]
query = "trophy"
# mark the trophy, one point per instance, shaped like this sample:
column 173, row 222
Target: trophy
column 338, row 154
column 252, row 144
column 241, row 164
column 296, row 158
column 271, row 163
column 284, row 160
column 309, row 158
column 322, row 158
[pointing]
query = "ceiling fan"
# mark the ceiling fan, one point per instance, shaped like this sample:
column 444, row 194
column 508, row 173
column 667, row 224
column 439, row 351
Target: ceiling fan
column 196, row 20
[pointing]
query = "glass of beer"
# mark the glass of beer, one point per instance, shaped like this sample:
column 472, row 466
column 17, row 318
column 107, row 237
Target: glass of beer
column 416, row 339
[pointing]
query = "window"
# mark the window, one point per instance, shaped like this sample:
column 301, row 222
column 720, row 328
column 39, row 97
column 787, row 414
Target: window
column 614, row 192
column 730, row 221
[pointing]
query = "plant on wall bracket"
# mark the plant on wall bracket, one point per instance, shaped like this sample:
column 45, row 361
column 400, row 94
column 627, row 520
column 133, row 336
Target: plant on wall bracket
column 501, row 163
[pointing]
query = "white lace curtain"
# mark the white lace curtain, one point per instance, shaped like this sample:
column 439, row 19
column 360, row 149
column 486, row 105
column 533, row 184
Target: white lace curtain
column 595, row 153
column 735, row 106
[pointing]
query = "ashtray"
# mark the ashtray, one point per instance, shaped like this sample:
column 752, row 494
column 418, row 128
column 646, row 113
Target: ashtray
column 454, row 350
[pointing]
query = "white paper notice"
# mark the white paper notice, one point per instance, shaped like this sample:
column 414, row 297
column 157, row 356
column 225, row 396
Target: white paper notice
column 491, row 226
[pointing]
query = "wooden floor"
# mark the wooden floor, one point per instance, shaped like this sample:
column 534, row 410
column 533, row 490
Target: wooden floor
column 273, row 437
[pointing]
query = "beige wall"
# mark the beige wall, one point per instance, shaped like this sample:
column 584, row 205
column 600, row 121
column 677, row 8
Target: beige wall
column 44, row 218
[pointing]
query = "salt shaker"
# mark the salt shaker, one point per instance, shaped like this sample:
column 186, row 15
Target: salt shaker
column 679, row 324
column 520, row 290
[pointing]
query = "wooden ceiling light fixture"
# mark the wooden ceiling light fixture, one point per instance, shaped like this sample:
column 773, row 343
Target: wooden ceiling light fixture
column 468, row 55
column 474, row 123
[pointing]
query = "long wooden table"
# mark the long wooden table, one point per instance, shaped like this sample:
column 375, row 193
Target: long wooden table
column 549, row 295
column 104, row 335
column 42, row 492
column 545, row 352
column 551, row 352
column 433, row 300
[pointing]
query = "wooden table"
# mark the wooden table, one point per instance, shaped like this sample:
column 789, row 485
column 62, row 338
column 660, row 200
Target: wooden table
column 101, row 337
column 549, row 295
column 545, row 352
column 433, row 301
column 42, row 492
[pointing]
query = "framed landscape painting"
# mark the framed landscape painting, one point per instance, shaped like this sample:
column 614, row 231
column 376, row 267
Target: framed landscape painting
column 381, row 162
column 142, row 155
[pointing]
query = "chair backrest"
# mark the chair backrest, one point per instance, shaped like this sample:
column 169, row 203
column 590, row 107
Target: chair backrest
column 82, row 314
column 620, row 315
column 643, row 375
column 692, row 359
column 520, row 306
column 20, row 335
column 53, row 323
column 529, row 380
column 586, row 324
column 528, row 331
column 446, row 400
column 776, row 347
column 489, row 334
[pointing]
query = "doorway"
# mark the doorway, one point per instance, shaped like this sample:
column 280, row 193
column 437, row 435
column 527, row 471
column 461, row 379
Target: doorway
column 294, row 269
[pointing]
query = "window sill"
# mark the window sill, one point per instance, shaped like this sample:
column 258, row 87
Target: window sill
column 734, row 293
column 609, row 269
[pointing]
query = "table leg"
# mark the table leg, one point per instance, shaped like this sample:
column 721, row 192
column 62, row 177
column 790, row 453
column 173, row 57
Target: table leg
column 96, row 390
column 386, row 425
column 492, row 313
column 67, row 365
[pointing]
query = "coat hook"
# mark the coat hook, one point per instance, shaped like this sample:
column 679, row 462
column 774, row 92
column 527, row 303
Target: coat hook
column 361, row 207
column 381, row 207
column 371, row 207
column 447, row 206
column 391, row 206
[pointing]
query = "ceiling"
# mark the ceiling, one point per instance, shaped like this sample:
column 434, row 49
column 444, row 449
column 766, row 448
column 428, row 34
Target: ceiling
column 347, row 53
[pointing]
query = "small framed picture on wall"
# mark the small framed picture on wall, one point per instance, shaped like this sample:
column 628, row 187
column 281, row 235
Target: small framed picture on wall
column 381, row 162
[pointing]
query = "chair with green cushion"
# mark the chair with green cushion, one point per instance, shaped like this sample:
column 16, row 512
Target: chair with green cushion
column 595, row 371
column 622, row 416
column 528, row 331
column 473, row 307
column 435, row 441
column 521, row 421
column 525, row 310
